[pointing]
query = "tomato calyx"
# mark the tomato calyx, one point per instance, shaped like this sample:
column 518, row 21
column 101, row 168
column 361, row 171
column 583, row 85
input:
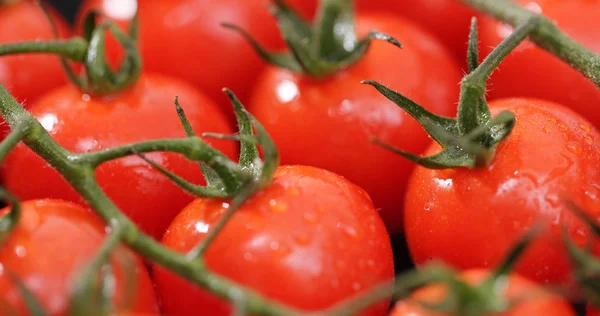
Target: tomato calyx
column 97, row 79
column 470, row 139
column 321, row 49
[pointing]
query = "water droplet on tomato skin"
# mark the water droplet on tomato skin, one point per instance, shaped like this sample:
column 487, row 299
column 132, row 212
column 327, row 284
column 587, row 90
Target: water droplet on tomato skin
column 20, row 251
column 574, row 147
column 278, row 206
column 311, row 217
column 563, row 127
column 585, row 128
column 302, row 238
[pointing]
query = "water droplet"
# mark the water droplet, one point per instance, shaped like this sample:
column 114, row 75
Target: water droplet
column 278, row 206
column 274, row 246
column 546, row 129
column 585, row 128
column 1, row 269
column 552, row 120
column 591, row 193
column 248, row 256
column 588, row 139
column 86, row 97
column 20, row 251
column 293, row 191
column 581, row 232
column 427, row 208
column 574, row 147
column 348, row 230
column 302, row 238
column 563, row 127
column 335, row 283
column 340, row 265
column 311, row 217
column 356, row 286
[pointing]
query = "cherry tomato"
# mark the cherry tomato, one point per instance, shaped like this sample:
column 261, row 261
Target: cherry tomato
column 49, row 248
column 540, row 301
column 327, row 122
column 552, row 154
column 310, row 239
column 27, row 77
column 82, row 123
column 547, row 77
column 185, row 39
column 449, row 20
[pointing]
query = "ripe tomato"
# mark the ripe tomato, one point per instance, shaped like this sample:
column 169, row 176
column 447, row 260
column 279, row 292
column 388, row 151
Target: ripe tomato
column 49, row 248
column 552, row 154
column 309, row 240
column 547, row 77
column 27, row 77
column 82, row 123
column 327, row 122
column 540, row 302
column 449, row 20
column 185, row 39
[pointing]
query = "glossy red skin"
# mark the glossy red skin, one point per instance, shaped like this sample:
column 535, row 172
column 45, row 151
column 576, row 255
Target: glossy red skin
column 546, row 76
column 27, row 77
column 540, row 302
column 327, row 123
column 145, row 112
column 308, row 240
column 552, row 153
column 52, row 243
column 185, row 39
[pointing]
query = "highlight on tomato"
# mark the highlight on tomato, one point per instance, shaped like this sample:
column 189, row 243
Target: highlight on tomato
column 94, row 112
column 309, row 239
column 547, row 77
column 184, row 39
column 45, row 255
column 311, row 101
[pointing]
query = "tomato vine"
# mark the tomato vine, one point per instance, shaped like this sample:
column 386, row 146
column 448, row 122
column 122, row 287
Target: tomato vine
column 240, row 181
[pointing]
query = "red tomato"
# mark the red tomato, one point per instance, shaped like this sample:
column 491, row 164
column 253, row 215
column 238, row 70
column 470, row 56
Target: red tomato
column 27, row 77
column 81, row 123
column 540, row 302
column 185, row 39
column 592, row 311
column 547, row 77
column 309, row 240
column 551, row 154
column 327, row 122
column 49, row 248
column 449, row 20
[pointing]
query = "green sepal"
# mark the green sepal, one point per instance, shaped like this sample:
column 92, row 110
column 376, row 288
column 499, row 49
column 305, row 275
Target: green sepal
column 321, row 49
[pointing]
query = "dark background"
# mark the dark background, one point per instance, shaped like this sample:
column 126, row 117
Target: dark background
column 66, row 7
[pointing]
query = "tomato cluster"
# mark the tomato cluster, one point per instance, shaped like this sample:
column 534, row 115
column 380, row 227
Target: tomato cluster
column 339, row 213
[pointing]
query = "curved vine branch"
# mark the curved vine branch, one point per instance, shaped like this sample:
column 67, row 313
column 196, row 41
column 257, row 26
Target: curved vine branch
column 546, row 35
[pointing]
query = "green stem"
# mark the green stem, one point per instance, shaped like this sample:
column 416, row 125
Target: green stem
column 545, row 34
column 74, row 49
column 473, row 85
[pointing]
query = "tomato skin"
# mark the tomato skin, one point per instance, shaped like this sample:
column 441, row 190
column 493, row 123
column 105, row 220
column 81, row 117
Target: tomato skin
column 185, row 39
column 145, row 112
column 327, row 123
column 42, row 253
column 552, row 154
column 27, row 77
column 518, row 287
column 547, row 77
column 591, row 311
column 312, row 234
column 448, row 20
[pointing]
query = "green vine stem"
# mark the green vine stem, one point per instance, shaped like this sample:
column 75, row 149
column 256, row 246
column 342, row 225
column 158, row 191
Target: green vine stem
column 98, row 78
column 546, row 34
